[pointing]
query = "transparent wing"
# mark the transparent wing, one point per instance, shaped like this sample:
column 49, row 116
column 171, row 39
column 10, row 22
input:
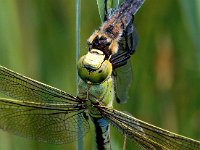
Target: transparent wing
column 40, row 111
column 52, row 123
column 147, row 135
column 122, row 81
column 23, row 88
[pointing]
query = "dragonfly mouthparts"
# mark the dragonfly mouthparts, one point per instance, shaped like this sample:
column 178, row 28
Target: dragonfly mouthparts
column 93, row 60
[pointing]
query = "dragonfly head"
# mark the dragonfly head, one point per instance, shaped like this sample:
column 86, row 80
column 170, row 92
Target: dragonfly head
column 93, row 67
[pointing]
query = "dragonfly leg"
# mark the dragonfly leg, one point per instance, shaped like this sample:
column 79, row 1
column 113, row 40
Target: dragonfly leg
column 120, row 60
column 105, row 10
column 124, row 145
column 129, row 46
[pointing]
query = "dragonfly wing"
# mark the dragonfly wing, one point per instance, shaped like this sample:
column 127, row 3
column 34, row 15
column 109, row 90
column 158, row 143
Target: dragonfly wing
column 40, row 112
column 23, row 88
column 122, row 82
column 147, row 135
column 52, row 123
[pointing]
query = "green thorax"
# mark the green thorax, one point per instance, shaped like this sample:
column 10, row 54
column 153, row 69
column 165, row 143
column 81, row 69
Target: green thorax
column 97, row 93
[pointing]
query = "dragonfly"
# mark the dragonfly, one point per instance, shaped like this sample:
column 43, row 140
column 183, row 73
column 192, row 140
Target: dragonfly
column 39, row 111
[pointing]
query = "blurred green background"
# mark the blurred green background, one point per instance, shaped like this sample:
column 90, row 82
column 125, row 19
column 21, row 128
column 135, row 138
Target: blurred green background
column 37, row 39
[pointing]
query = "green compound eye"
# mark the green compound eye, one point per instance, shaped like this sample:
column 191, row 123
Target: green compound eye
column 97, row 75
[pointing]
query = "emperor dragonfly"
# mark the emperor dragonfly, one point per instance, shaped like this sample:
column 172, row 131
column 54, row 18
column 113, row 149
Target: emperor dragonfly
column 52, row 114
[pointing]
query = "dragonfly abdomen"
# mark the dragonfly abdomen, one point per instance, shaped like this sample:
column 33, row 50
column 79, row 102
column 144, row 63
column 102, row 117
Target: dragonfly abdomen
column 102, row 128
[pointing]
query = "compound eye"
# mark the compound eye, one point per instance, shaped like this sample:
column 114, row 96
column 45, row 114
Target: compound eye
column 89, row 69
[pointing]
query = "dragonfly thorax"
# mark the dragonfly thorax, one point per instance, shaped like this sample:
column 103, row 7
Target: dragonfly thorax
column 93, row 67
column 97, row 94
